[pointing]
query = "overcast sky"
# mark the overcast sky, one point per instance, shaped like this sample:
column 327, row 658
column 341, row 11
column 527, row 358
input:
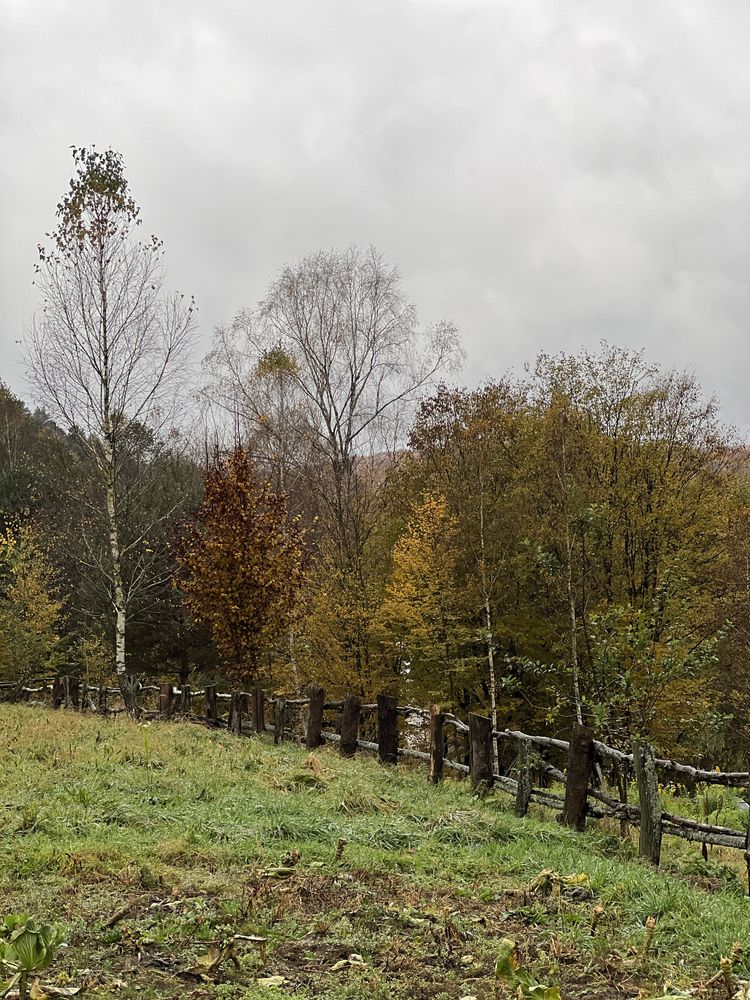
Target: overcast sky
column 546, row 173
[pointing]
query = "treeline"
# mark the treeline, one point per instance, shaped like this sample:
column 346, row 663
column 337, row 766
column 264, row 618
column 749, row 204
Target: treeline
column 320, row 505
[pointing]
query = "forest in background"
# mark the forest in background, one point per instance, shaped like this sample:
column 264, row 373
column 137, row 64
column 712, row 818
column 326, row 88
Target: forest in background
column 321, row 502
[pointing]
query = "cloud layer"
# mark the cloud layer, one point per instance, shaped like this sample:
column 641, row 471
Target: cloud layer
column 544, row 174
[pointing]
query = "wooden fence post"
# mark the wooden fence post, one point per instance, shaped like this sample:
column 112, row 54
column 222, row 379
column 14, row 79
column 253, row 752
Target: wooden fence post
column 71, row 688
column 166, row 694
column 580, row 762
column 317, row 698
column 186, row 700
column 649, row 844
column 257, row 701
column 279, row 720
column 350, row 725
column 480, row 749
column 525, row 772
column 211, row 705
column 747, row 839
column 437, row 748
column 235, row 713
column 57, row 692
column 387, row 729
column 101, row 698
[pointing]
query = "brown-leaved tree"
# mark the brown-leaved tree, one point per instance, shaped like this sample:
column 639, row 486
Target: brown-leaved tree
column 243, row 561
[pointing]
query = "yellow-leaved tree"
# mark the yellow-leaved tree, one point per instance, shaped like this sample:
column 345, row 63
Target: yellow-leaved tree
column 29, row 609
column 420, row 614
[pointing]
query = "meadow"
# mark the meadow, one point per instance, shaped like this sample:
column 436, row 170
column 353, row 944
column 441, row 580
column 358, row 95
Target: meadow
column 182, row 860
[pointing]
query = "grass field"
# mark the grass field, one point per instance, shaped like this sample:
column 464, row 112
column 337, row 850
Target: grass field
column 165, row 849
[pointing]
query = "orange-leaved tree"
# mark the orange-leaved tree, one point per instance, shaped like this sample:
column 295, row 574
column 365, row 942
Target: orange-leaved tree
column 242, row 561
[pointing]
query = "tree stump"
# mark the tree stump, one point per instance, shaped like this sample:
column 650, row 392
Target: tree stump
column 580, row 762
column 350, row 725
column 387, row 729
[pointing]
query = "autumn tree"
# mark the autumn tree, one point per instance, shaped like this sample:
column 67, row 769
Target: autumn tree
column 471, row 447
column 30, row 609
column 242, row 562
column 631, row 517
column 338, row 342
column 421, row 612
column 106, row 356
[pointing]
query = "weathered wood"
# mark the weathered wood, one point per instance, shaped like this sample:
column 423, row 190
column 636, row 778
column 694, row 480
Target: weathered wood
column 350, row 725
column 649, row 845
column 71, row 688
column 258, row 709
column 211, row 706
column 683, row 772
column 525, row 779
column 279, row 720
column 166, row 697
column 101, row 699
column 580, row 761
column 57, row 692
column 236, row 704
column 387, row 729
column 84, row 696
column 186, row 700
column 480, row 750
column 317, row 698
column 437, row 744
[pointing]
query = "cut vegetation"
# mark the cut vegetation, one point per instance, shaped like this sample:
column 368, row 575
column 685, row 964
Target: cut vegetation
column 183, row 861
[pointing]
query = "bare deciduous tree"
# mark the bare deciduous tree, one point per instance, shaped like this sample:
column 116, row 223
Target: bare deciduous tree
column 354, row 359
column 106, row 354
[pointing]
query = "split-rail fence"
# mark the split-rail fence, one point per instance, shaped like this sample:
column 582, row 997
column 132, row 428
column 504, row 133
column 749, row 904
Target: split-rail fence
column 581, row 759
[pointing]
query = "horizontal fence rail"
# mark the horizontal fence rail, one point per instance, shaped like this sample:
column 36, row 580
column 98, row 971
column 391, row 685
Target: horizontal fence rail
column 304, row 719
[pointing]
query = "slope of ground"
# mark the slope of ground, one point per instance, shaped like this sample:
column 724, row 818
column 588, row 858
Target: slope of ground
column 166, row 850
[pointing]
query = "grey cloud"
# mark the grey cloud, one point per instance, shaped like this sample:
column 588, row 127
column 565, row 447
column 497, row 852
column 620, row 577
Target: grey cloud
column 545, row 174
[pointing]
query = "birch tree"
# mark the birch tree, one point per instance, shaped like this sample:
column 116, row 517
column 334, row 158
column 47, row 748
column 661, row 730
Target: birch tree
column 106, row 353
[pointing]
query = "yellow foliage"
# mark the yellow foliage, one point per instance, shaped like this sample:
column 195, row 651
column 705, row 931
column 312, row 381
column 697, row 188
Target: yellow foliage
column 29, row 609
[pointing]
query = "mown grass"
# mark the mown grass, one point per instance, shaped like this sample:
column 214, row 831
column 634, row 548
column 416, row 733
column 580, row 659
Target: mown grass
column 186, row 827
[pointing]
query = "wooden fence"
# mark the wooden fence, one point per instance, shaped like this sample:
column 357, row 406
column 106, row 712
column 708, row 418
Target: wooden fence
column 581, row 759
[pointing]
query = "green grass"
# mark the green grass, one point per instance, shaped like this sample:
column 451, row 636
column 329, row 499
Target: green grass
column 186, row 827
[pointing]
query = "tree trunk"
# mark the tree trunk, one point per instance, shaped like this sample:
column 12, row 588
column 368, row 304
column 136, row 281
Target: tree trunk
column 573, row 627
column 126, row 683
